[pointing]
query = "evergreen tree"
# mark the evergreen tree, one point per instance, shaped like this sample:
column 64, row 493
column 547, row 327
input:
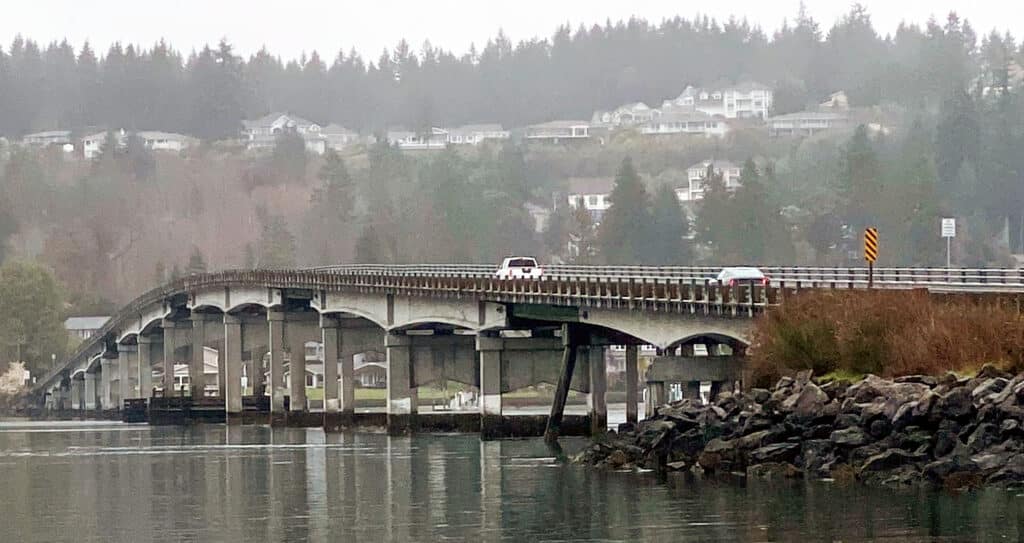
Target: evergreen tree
column 277, row 244
column 669, row 229
column 861, row 180
column 625, row 226
column 196, row 262
column 31, row 302
column 714, row 224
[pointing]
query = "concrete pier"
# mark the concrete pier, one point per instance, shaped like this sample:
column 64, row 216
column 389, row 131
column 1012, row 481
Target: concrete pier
column 402, row 397
column 231, row 361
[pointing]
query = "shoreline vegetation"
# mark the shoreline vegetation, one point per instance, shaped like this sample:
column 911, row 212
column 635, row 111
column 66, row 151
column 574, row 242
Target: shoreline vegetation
column 900, row 401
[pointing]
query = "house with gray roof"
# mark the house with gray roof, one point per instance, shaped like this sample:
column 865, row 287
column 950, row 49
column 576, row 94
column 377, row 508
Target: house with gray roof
column 558, row 131
column 475, row 134
column 261, row 134
column 804, row 123
column 697, row 174
column 676, row 119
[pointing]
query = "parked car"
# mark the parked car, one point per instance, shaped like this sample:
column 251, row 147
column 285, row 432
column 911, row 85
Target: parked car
column 741, row 276
column 519, row 267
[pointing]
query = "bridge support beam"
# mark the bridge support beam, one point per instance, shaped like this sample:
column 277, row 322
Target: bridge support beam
column 145, row 377
column 126, row 356
column 170, row 329
column 597, row 401
column 275, row 335
column 569, row 344
column 331, row 338
column 197, row 364
column 106, row 378
column 632, row 371
column 489, row 349
column 77, row 395
column 231, row 362
column 88, row 393
column 296, row 366
column 402, row 396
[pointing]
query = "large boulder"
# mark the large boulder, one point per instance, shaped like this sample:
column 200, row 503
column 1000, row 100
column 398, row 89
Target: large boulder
column 808, row 404
column 774, row 470
column 849, row 437
column 890, row 459
column 872, row 387
column 955, row 404
column 778, row 452
column 984, row 436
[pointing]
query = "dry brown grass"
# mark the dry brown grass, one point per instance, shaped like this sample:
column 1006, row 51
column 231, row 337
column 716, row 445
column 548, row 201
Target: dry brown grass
column 888, row 333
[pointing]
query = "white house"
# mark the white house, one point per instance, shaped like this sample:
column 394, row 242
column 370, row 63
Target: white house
column 474, row 134
column 338, row 137
column 634, row 114
column 685, row 120
column 261, row 134
column 558, row 131
column 46, row 139
column 92, row 145
column 697, row 173
column 83, row 327
column 743, row 101
column 593, row 193
column 804, row 123
column 413, row 141
column 164, row 141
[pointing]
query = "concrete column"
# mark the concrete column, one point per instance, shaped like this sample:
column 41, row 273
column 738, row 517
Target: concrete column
column 170, row 329
column 348, row 377
column 489, row 349
column 196, row 376
column 691, row 390
column 126, row 354
column 89, row 391
column 331, row 337
column 77, row 394
column 275, row 331
column 632, row 369
column 655, row 397
column 106, row 384
column 716, row 389
column 231, row 361
column 596, row 400
column 297, row 369
column 402, row 398
column 145, row 377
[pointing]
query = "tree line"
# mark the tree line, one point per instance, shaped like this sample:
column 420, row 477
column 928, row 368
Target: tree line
column 577, row 70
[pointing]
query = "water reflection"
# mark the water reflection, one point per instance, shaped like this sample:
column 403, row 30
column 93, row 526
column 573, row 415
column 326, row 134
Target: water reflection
column 215, row 483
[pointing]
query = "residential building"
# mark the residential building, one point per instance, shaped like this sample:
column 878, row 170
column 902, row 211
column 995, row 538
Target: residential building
column 338, row 137
column 743, row 101
column 82, row 327
column 635, row 114
column 415, row 141
column 685, row 120
column 837, row 101
column 475, row 134
column 46, row 139
column 558, row 131
column 92, row 145
column 540, row 215
column 164, row 141
column 261, row 134
column 593, row 193
column 697, row 174
column 804, row 123
column 370, row 369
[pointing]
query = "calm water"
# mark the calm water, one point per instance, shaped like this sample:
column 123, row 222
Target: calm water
column 107, row 482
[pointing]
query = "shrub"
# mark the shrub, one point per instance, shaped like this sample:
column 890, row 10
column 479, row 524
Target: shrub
column 888, row 333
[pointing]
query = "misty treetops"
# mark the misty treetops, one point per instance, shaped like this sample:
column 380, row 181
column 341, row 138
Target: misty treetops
column 208, row 92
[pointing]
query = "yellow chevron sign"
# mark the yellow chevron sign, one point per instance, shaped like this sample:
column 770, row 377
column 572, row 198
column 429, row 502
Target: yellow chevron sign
column 871, row 244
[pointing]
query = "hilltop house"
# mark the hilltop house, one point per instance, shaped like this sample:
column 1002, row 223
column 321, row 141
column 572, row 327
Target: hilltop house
column 47, row 139
column 558, row 131
column 697, row 173
column 474, row 134
column 261, row 134
column 164, row 141
column 338, row 137
column 414, row 141
column 92, row 145
column 676, row 119
column 804, row 123
column 635, row 114
column 592, row 193
column 744, row 101
column 82, row 327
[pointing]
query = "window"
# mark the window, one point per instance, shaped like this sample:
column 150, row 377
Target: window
column 310, row 380
column 591, row 201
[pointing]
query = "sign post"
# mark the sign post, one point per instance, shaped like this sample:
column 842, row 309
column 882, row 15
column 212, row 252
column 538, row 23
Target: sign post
column 871, row 252
column 948, row 232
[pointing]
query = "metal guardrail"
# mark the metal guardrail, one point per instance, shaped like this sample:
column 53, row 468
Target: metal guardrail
column 662, row 288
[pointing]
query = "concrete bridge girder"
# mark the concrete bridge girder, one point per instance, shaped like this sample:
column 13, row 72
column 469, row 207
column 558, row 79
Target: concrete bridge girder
column 145, row 322
column 230, row 299
column 663, row 330
column 436, row 359
column 523, row 365
column 392, row 313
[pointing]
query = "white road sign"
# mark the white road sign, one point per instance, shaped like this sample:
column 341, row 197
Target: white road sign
column 949, row 228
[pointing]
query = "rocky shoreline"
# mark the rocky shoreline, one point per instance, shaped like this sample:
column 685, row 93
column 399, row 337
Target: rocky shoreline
column 915, row 430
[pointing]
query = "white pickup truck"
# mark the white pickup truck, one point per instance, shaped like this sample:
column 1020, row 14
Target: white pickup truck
column 519, row 267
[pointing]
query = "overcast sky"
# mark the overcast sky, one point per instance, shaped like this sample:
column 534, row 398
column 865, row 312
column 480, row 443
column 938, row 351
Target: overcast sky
column 291, row 28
